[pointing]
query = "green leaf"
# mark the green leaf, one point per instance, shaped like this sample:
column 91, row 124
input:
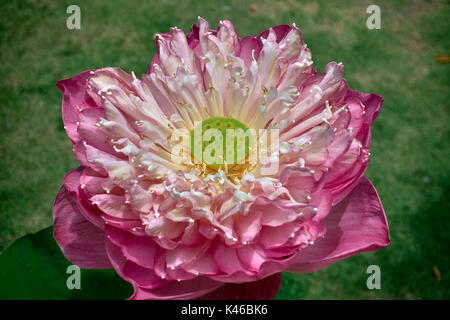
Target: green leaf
column 33, row 267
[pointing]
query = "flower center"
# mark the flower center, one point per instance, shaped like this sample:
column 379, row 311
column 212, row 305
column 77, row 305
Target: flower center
column 221, row 143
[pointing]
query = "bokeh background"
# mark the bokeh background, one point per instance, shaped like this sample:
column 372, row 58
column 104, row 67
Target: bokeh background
column 404, row 61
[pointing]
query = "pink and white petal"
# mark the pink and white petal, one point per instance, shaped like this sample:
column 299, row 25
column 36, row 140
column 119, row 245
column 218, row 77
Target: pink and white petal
column 89, row 131
column 357, row 224
column 81, row 242
column 114, row 206
column 265, row 289
column 228, row 37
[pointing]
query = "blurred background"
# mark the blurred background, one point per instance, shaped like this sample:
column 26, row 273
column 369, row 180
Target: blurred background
column 405, row 61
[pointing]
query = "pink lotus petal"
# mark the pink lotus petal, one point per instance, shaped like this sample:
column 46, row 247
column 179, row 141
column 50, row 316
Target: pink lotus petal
column 74, row 90
column 138, row 249
column 163, row 289
column 73, row 185
column 81, row 242
column 357, row 224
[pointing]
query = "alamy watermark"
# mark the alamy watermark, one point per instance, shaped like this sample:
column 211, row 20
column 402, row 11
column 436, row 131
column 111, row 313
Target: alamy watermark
column 73, row 22
column 74, row 280
column 374, row 20
column 374, row 280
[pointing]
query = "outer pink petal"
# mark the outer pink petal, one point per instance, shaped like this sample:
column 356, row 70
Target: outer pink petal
column 264, row 289
column 147, row 287
column 74, row 91
column 72, row 183
column 81, row 242
column 357, row 224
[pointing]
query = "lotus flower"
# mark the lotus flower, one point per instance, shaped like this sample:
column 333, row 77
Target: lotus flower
column 178, row 228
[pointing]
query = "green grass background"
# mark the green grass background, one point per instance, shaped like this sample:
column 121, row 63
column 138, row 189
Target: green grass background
column 410, row 148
